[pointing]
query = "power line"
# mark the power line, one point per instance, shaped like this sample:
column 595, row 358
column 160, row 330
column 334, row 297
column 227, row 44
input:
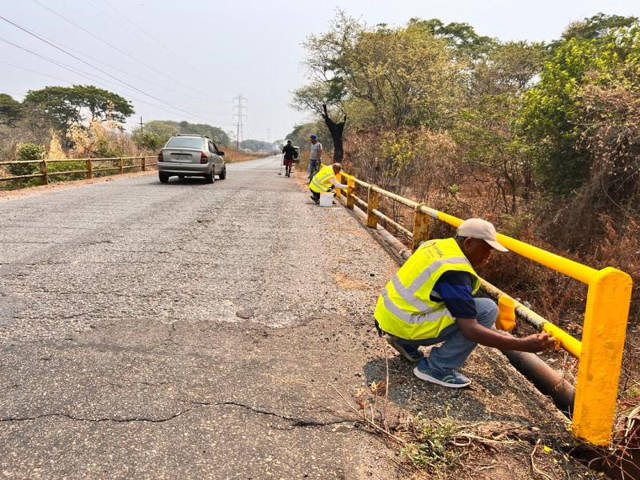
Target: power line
column 140, row 29
column 132, row 74
column 110, row 45
column 88, row 76
column 50, row 43
column 32, row 71
column 239, row 115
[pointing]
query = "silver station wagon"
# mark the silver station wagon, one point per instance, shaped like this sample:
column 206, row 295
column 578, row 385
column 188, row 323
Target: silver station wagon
column 191, row 156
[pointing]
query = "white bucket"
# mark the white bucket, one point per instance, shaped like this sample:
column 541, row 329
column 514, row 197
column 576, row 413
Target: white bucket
column 326, row 199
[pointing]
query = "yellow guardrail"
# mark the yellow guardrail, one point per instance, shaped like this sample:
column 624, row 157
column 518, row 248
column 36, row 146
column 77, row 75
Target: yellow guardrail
column 88, row 170
column 599, row 353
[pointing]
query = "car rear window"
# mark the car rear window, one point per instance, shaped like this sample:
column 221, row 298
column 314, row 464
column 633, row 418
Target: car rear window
column 185, row 142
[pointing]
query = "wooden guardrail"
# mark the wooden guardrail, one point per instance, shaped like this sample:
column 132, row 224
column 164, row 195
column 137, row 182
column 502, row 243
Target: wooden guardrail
column 141, row 162
column 599, row 353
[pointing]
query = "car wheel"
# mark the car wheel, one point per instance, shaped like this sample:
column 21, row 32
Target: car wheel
column 164, row 177
column 223, row 174
column 209, row 178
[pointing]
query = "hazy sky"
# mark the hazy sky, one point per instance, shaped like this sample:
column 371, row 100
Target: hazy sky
column 186, row 60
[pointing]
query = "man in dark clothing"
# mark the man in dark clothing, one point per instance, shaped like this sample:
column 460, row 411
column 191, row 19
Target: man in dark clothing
column 290, row 153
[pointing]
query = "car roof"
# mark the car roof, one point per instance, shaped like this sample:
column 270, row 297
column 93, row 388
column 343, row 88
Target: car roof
column 190, row 135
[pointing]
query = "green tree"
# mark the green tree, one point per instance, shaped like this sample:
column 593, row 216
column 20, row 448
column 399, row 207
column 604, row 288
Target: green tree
column 147, row 140
column 62, row 106
column 551, row 109
column 256, row 145
column 166, row 128
column 10, row 110
column 462, row 37
column 403, row 76
column 597, row 26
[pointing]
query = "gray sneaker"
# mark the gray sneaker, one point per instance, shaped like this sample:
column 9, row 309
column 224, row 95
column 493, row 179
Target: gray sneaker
column 410, row 353
column 451, row 379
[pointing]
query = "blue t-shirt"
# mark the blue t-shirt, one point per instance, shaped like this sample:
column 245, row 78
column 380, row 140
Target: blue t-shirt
column 454, row 289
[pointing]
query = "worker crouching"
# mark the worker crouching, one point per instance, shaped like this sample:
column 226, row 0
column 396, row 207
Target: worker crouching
column 325, row 181
column 431, row 300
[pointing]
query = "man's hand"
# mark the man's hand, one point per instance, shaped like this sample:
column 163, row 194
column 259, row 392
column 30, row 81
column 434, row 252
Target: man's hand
column 472, row 330
column 537, row 343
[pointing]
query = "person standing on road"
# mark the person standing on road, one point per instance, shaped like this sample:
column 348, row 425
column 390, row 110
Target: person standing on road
column 431, row 300
column 315, row 156
column 325, row 180
column 290, row 153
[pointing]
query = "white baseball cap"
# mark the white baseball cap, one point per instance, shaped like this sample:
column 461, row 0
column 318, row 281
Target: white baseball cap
column 479, row 228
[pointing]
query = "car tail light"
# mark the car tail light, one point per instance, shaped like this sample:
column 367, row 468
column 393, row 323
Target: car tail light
column 160, row 159
column 204, row 158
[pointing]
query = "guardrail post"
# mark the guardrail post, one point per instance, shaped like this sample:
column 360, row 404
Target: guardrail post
column 121, row 165
column 143, row 164
column 89, row 168
column 350, row 200
column 372, row 204
column 43, row 171
column 420, row 227
column 603, row 334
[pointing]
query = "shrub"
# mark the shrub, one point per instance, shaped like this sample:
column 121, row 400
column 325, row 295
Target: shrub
column 27, row 151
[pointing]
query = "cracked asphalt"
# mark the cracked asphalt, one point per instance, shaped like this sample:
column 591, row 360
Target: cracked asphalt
column 185, row 331
column 208, row 331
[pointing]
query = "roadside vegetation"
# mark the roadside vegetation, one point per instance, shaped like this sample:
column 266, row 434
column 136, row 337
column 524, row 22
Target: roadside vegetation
column 543, row 139
column 82, row 121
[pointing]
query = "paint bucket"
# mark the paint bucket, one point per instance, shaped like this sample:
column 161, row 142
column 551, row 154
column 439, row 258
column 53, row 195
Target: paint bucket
column 326, row 199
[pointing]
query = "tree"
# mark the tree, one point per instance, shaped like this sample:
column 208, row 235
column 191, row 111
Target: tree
column 335, row 129
column 462, row 37
column 551, row 109
column 256, row 145
column 597, row 26
column 63, row 106
column 403, row 76
column 147, row 140
column 166, row 128
column 10, row 110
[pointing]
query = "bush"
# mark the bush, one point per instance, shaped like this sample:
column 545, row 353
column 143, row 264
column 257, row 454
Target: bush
column 148, row 140
column 27, row 151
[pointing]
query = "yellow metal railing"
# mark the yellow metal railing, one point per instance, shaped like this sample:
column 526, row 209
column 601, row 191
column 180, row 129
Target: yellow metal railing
column 599, row 353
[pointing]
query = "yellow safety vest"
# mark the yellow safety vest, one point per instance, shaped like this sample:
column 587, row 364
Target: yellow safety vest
column 321, row 182
column 405, row 308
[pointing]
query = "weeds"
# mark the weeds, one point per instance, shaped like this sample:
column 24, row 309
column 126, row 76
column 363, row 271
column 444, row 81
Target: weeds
column 433, row 442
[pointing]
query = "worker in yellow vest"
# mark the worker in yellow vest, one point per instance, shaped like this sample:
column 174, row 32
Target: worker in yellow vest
column 431, row 300
column 325, row 180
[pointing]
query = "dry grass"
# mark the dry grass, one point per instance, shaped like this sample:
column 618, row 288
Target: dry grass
column 231, row 155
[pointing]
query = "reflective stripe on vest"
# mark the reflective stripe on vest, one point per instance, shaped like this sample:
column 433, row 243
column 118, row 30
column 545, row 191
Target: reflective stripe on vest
column 321, row 180
column 428, row 316
column 408, row 294
column 410, row 311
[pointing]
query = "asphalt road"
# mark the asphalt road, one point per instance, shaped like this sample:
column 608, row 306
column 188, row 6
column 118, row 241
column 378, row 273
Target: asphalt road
column 218, row 331
column 185, row 331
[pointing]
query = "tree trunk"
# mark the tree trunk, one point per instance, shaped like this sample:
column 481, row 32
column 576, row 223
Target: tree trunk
column 336, row 129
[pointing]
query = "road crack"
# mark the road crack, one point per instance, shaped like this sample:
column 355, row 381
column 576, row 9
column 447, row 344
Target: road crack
column 294, row 422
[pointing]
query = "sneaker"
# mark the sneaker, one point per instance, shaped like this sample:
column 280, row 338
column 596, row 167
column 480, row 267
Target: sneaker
column 451, row 379
column 317, row 202
column 411, row 354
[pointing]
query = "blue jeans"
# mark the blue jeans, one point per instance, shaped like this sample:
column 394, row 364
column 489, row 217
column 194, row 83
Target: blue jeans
column 314, row 166
column 455, row 347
